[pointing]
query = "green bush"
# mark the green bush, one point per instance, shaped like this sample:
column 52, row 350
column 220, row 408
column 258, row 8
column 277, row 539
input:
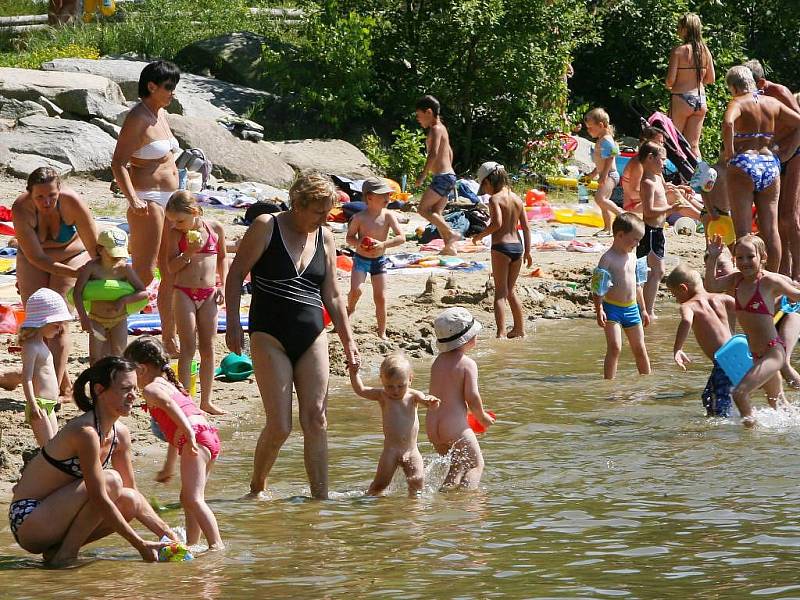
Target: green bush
column 404, row 155
column 34, row 58
column 22, row 7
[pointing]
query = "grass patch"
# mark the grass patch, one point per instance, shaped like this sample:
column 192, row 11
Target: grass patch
column 12, row 8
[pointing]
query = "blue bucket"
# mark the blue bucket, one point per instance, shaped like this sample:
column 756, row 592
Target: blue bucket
column 735, row 359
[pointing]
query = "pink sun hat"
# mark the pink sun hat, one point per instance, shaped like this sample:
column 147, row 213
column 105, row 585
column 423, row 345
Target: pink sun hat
column 45, row 306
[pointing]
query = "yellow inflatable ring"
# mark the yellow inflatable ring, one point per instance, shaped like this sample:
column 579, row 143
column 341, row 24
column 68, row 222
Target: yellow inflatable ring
column 107, row 290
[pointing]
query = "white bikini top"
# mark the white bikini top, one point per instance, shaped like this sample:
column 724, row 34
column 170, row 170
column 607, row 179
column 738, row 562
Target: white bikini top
column 157, row 149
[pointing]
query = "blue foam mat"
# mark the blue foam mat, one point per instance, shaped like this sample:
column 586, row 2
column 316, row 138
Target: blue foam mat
column 151, row 323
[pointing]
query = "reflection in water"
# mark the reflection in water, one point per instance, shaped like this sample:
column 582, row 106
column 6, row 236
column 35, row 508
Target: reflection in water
column 592, row 489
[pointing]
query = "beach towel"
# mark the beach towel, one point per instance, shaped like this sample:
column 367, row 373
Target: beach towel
column 151, row 323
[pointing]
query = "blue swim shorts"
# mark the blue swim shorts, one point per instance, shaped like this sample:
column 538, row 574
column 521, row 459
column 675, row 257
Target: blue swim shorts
column 373, row 266
column 716, row 396
column 627, row 316
column 443, row 183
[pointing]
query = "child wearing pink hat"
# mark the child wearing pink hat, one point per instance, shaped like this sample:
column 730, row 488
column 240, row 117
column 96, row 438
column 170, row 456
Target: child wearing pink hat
column 45, row 315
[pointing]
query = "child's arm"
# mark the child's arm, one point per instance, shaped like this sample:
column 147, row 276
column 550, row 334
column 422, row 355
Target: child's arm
column 399, row 239
column 712, row 282
column 352, row 238
column 730, row 309
column 222, row 261
column 358, row 386
column 786, row 287
column 140, row 293
column 424, row 399
column 179, row 259
column 526, row 236
column 77, row 294
column 640, row 301
column 472, row 396
column 158, row 397
column 30, row 357
column 684, row 327
column 711, row 74
column 597, row 298
column 495, row 221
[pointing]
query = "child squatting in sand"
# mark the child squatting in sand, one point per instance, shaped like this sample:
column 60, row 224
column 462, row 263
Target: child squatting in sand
column 400, row 423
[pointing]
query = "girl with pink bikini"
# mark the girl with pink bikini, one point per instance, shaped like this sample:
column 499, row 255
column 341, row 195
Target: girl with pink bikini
column 196, row 259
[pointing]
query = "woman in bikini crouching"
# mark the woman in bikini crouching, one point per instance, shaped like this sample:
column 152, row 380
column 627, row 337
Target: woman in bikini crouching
column 144, row 168
column 291, row 258
column 81, row 485
column 755, row 291
column 691, row 68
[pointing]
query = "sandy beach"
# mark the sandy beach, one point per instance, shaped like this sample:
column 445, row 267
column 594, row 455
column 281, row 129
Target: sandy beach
column 414, row 298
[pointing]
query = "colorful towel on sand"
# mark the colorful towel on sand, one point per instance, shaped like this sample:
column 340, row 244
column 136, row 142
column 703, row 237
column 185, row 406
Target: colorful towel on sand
column 151, row 323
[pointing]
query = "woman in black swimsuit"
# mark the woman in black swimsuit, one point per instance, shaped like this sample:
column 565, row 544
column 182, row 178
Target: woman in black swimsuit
column 68, row 496
column 292, row 261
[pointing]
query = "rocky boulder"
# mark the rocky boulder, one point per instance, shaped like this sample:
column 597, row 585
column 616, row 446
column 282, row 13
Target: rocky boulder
column 81, row 146
column 16, row 109
column 22, row 165
column 195, row 96
column 81, row 94
column 234, row 159
column 234, row 57
column 336, row 157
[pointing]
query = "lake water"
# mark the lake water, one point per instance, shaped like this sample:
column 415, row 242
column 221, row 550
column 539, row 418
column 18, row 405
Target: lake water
column 592, row 490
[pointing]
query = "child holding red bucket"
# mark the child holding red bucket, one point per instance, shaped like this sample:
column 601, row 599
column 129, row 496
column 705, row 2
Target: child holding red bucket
column 368, row 233
column 454, row 379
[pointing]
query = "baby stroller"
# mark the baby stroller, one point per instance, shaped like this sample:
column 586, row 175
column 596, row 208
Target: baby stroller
column 678, row 149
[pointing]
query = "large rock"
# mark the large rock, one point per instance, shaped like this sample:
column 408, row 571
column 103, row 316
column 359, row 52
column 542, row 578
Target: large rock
column 22, row 165
column 234, row 159
column 16, row 109
column 195, row 95
column 234, row 57
column 335, row 157
column 80, row 145
column 81, row 94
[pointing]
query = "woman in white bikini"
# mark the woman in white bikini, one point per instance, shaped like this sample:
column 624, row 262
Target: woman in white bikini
column 691, row 67
column 144, row 167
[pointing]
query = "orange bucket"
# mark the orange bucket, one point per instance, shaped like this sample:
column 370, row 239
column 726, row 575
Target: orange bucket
column 345, row 263
column 19, row 314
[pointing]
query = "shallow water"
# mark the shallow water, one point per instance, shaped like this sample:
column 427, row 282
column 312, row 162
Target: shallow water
column 592, row 490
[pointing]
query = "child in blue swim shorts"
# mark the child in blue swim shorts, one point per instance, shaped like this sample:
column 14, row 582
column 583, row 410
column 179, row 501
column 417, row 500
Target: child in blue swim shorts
column 368, row 233
column 617, row 295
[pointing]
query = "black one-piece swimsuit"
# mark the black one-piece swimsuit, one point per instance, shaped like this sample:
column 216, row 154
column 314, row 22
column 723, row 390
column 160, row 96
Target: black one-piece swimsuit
column 286, row 304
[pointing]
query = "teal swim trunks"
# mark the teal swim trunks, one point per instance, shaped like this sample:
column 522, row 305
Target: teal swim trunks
column 627, row 316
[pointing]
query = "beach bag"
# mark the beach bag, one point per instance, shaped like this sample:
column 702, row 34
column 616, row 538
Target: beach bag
column 194, row 160
column 478, row 220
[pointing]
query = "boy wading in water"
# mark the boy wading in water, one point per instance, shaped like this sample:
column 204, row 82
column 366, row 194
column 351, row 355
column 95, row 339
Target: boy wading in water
column 454, row 380
column 440, row 163
column 617, row 294
column 507, row 213
column 710, row 317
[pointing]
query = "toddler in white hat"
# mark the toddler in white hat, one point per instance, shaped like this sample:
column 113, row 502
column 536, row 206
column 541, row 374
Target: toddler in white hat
column 45, row 315
column 454, row 380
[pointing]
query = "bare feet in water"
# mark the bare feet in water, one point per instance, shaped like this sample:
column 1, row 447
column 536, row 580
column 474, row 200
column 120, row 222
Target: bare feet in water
column 516, row 333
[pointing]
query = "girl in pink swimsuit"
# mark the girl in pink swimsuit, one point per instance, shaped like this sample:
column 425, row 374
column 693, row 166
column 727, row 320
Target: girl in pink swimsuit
column 755, row 291
column 185, row 428
column 196, row 260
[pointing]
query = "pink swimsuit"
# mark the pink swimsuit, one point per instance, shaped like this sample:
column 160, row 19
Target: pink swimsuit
column 210, row 247
column 204, row 434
